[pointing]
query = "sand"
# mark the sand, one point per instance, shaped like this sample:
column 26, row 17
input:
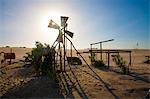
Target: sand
column 79, row 81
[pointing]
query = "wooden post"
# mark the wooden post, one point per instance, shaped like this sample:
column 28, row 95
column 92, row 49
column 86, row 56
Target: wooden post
column 10, row 52
column 130, row 58
column 108, row 59
column 101, row 50
column 130, row 62
column 91, row 55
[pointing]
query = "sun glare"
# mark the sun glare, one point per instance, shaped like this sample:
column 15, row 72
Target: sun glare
column 49, row 34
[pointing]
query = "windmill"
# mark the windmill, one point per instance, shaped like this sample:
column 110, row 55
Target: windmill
column 63, row 32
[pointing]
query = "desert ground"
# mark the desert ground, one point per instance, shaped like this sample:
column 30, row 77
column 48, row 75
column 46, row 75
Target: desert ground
column 19, row 80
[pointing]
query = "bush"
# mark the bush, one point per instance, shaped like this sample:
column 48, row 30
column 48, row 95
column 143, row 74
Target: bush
column 7, row 46
column 95, row 62
column 42, row 58
column 92, row 57
column 120, row 63
column 98, row 63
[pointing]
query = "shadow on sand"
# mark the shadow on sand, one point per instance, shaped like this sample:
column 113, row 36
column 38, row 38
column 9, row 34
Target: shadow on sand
column 106, row 85
column 135, row 75
column 39, row 87
column 71, row 83
column 138, row 76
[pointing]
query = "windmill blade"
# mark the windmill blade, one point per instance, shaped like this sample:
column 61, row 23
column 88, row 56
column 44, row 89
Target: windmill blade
column 69, row 33
column 53, row 25
column 64, row 20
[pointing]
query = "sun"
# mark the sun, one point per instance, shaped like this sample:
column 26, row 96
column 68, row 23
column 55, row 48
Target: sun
column 49, row 34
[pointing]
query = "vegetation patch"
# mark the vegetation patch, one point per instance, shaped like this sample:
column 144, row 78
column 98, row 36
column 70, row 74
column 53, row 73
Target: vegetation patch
column 42, row 58
column 120, row 63
column 96, row 62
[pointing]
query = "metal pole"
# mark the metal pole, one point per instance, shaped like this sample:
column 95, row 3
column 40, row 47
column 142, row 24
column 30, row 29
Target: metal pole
column 54, row 59
column 60, row 56
column 64, row 50
column 71, row 51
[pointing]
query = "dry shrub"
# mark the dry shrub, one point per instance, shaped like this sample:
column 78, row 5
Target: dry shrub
column 120, row 63
column 41, row 58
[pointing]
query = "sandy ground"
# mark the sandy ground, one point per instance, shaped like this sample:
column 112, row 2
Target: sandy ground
column 19, row 81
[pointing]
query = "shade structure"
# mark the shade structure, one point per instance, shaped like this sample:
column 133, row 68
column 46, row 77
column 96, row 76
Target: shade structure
column 53, row 25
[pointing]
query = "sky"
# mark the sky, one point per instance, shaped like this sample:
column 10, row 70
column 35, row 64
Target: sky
column 22, row 22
